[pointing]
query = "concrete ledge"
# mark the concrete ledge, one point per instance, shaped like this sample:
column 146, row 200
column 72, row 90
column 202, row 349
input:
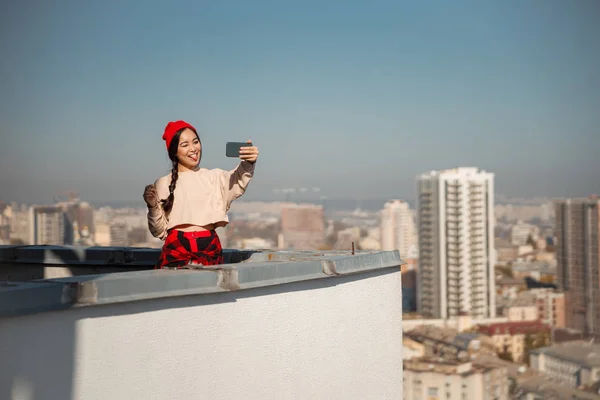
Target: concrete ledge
column 261, row 269
column 29, row 297
column 98, row 256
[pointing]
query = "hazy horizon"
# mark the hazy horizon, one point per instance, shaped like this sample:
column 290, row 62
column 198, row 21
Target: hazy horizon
column 357, row 99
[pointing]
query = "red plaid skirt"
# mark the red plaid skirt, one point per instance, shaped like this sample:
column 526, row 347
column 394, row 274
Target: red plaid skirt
column 183, row 248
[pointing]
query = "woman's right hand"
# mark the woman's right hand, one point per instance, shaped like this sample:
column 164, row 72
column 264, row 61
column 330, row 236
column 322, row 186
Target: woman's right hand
column 151, row 196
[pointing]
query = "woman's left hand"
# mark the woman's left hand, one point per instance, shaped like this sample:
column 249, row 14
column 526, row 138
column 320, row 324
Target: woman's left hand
column 249, row 153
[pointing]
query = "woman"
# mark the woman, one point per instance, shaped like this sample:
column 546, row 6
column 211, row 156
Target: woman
column 186, row 206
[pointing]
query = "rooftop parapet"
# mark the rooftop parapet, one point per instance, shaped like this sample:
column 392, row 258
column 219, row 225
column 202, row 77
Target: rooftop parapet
column 273, row 325
column 242, row 270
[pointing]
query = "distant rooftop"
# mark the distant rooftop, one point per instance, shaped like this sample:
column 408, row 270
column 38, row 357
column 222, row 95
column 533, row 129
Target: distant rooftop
column 513, row 328
column 538, row 266
column 591, row 199
column 510, row 281
column 432, row 332
column 524, row 300
column 449, row 367
column 554, row 390
column 529, row 381
column 464, row 172
column 579, row 352
column 462, row 340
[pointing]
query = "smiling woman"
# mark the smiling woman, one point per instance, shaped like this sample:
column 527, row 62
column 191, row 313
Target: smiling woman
column 186, row 206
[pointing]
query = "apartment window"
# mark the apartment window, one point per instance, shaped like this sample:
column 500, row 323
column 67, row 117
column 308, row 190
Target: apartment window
column 432, row 391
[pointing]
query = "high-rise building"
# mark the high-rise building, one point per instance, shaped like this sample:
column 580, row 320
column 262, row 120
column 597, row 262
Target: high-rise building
column 47, row 225
column 456, row 243
column 397, row 228
column 578, row 270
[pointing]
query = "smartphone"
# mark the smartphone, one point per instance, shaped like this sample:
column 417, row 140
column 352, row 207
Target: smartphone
column 232, row 149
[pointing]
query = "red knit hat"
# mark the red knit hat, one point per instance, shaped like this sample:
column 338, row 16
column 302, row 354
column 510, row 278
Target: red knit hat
column 172, row 128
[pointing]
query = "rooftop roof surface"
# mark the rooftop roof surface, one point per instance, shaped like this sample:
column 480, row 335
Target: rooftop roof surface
column 578, row 352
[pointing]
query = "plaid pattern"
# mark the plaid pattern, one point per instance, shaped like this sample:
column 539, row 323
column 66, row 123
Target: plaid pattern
column 183, row 248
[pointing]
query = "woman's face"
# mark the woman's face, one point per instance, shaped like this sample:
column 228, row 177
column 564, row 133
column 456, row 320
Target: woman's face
column 189, row 150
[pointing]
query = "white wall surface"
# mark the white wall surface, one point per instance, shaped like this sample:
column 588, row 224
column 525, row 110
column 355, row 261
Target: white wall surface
column 324, row 339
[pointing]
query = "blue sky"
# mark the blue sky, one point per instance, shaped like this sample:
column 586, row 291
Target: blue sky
column 354, row 97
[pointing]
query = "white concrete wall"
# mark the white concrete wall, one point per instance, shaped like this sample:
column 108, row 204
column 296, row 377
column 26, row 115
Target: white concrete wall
column 322, row 339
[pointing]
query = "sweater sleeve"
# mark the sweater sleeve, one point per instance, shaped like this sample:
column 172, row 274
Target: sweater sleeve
column 157, row 219
column 157, row 222
column 235, row 182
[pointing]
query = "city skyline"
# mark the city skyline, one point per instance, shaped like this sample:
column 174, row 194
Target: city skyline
column 371, row 94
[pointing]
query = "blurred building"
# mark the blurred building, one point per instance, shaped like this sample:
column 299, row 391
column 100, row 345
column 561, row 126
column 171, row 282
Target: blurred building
column 523, row 212
column 521, row 232
column 521, row 309
column 456, row 243
column 578, row 253
column 302, row 227
column 119, row 233
column 432, row 378
column 115, row 233
column 409, row 285
column 505, row 252
column 20, row 224
column 551, row 307
column 255, row 243
column 449, row 343
column 346, row 237
column 137, row 236
column 79, row 222
column 102, row 235
column 537, row 270
column 397, row 228
column 512, row 338
column 47, row 225
column 572, row 363
column 372, row 240
column 5, row 215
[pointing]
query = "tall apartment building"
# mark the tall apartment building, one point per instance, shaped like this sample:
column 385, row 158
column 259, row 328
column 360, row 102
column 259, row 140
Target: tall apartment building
column 577, row 254
column 397, row 227
column 456, row 243
column 47, row 225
